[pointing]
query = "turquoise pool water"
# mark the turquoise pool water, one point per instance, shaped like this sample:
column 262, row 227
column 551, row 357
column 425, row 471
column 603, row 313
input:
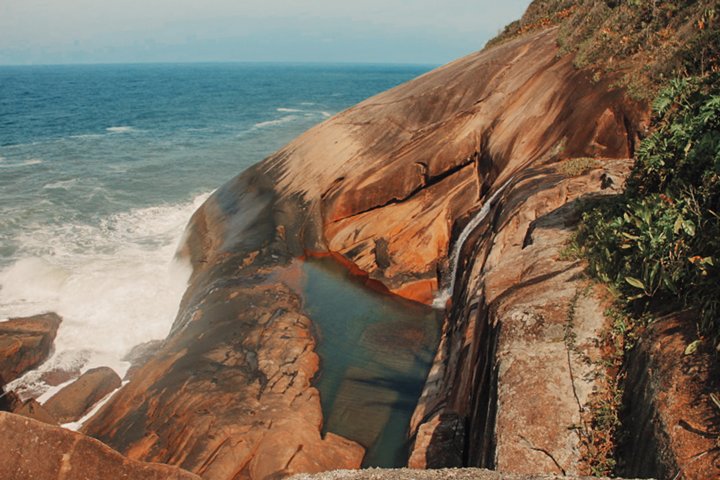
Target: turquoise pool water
column 376, row 351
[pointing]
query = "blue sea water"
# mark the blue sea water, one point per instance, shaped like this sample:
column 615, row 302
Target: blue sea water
column 102, row 166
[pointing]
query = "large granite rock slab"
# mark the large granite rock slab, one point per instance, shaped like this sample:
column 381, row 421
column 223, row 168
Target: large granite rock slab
column 385, row 185
column 25, row 343
column 74, row 400
column 32, row 450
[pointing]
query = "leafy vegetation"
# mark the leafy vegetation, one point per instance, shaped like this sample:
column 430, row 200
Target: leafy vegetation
column 640, row 43
column 659, row 242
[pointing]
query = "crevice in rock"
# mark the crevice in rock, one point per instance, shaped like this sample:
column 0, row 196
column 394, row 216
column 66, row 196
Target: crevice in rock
column 423, row 168
column 292, row 457
column 425, row 184
column 548, row 454
column 481, row 439
column 528, row 240
column 570, row 349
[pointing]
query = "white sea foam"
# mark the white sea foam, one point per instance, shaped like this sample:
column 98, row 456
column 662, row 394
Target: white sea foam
column 120, row 129
column 326, row 114
column 116, row 284
column 25, row 163
column 86, row 135
column 61, row 184
column 279, row 121
column 288, row 110
column 77, row 425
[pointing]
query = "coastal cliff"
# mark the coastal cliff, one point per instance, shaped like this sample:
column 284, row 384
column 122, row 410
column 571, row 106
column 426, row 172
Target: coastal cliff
column 386, row 188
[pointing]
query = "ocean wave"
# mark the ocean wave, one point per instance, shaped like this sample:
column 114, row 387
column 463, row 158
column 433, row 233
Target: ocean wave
column 26, row 163
column 279, row 121
column 62, row 184
column 288, row 110
column 115, row 283
column 86, row 135
column 120, row 129
column 326, row 114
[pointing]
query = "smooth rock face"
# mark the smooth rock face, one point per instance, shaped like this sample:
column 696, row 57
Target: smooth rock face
column 386, row 184
column 25, row 343
column 32, row 450
column 520, row 359
column 228, row 396
column 74, row 400
column 672, row 422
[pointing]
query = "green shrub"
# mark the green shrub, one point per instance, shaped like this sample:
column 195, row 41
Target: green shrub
column 660, row 240
column 639, row 44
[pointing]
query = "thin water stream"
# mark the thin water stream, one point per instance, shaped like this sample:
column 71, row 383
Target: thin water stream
column 376, row 351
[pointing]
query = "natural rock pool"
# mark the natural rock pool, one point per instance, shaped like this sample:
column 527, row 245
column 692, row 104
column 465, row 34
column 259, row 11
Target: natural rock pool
column 376, row 351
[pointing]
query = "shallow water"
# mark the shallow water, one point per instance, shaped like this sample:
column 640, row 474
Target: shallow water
column 375, row 351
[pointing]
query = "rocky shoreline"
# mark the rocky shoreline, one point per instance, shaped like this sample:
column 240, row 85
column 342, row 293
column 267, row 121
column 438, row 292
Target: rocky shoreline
column 387, row 186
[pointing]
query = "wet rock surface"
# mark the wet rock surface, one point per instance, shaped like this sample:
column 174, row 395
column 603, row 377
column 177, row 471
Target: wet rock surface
column 32, row 450
column 25, row 343
column 519, row 360
column 74, row 400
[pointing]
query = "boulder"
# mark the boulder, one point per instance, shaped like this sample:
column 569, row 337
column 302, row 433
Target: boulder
column 25, row 343
column 74, row 400
column 58, row 376
column 32, row 409
column 33, row 450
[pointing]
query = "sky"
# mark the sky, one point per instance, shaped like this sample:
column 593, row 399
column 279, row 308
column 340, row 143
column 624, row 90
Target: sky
column 134, row 31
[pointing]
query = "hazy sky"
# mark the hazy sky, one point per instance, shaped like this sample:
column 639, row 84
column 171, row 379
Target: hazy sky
column 97, row 31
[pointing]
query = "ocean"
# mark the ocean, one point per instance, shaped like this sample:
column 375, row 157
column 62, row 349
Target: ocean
column 102, row 166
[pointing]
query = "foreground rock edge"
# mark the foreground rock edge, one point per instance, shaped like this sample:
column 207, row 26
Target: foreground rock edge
column 33, row 450
column 438, row 474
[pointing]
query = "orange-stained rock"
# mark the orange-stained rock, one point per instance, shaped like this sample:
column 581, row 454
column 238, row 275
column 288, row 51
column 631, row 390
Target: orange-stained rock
column 229, row 394
column 76, row 399
column 670, row 417
column 25, row 343
column 421, row 291
column 31, row 450
column 387, row 184
column 32, row 409
column 520, row 361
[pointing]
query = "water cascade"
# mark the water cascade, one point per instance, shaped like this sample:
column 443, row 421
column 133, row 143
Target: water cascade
column 442, row 297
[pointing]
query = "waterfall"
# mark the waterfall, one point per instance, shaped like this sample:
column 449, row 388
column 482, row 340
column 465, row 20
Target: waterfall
column 442, row 297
